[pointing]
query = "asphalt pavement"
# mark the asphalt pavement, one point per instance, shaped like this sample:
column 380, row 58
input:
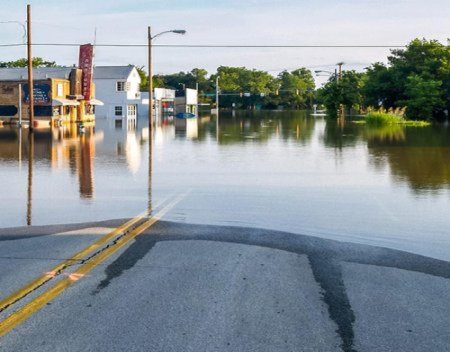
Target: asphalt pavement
column 185, row 287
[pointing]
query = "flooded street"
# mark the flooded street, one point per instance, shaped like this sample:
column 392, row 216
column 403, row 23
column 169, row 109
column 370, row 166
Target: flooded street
column 282, row 171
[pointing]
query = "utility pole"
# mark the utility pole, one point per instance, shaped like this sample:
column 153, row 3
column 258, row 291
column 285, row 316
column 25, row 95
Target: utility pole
column 150, row 85
column 30, row 70
column 340, row 70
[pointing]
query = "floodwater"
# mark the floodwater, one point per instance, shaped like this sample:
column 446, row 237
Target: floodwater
column 286, row 171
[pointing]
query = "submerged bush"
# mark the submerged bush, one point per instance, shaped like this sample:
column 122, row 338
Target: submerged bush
column 390, row 117
column 383, row 118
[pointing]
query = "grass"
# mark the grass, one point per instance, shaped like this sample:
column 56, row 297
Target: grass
column 384, row 117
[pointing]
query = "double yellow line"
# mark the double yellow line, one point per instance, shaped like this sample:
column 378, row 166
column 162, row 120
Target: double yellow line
column 36, row 304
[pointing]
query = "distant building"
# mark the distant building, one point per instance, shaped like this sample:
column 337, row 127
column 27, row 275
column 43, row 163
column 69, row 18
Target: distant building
column 118, row 87
column 163, row 102
column 57, row 96
column 186, row 101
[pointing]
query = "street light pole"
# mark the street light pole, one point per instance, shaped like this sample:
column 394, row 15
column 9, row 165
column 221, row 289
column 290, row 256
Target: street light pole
column 150, row 73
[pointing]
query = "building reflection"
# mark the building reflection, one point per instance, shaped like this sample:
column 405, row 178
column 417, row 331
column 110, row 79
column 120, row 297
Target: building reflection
column 69, row 147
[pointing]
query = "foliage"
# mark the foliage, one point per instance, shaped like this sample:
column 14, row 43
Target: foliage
column 242, row 87
column 37, row 62
column 382, row 118
column 144, row 78
column 424, row 97
column 345, row 91
column 297, row 88
column 391, row 117
column 417, row 77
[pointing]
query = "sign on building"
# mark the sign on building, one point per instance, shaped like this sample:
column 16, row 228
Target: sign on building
column 41, row 94
column 86, row 66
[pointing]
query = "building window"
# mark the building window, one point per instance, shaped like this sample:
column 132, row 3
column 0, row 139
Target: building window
column 128, row 86
column 131, row 110
column 59, row 90
column 120, row 86
column 118, row 111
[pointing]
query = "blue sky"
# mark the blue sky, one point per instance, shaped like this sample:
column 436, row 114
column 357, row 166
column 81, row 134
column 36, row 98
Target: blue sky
column 377, row 22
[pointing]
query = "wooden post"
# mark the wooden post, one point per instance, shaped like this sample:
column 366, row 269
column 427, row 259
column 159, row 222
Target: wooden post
column 30, row 70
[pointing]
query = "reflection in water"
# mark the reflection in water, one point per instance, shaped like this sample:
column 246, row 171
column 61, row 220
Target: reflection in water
column 107, row 163
column 340, row 135
column 30, row 176
column 387, row 133
column 418, row 156
column 257, row 127
column 186, row 128
column 150, row 176
column 85, row 166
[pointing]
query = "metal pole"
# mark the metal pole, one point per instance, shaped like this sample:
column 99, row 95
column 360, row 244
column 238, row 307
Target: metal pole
column 150, row 84
column 30, row 70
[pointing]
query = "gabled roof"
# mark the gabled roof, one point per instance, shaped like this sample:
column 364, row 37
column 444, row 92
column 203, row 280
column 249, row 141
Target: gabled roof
column 113, row 72
column 19, row 74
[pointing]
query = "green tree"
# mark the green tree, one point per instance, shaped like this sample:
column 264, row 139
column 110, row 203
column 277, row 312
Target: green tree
column 37, row 62
column 347, row 91
column 417, row 77
column 424, row 97
column 296, row 88
column 144, row 78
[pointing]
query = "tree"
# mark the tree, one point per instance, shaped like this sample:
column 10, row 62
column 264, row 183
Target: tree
column 417, row 77
column 297, row 88
column 346, row 91
column 144, row 78
column 37, row 62
column 424, row 97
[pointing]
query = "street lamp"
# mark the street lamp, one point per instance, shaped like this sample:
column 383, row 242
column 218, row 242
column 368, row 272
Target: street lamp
column 327, row 73
column 150, row 72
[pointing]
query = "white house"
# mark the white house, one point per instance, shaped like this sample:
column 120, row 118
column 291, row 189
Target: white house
column 118, row 88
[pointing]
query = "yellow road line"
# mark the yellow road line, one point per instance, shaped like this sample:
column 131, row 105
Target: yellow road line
column 35, row 305
column 41, row 280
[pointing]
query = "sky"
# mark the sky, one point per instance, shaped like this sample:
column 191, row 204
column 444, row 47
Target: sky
column 232, row 22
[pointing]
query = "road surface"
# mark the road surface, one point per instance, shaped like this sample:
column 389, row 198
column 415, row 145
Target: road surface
column 186, row 287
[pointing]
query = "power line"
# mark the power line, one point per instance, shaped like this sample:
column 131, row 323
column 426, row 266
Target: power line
column 216, row 46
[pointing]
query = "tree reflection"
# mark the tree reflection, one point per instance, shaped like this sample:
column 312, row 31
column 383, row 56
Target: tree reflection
column 260, row 127
column 418, row 156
